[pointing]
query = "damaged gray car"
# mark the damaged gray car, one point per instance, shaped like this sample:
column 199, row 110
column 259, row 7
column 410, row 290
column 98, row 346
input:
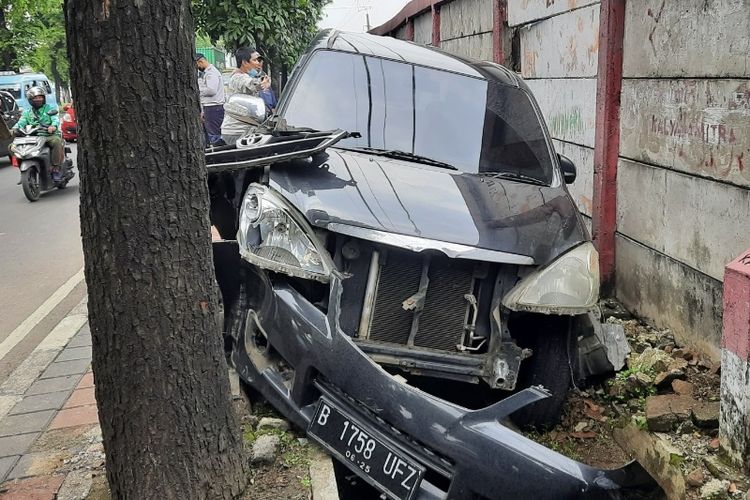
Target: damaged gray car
column 404, row 273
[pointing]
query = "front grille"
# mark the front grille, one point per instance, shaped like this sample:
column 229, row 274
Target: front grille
column 441, row 323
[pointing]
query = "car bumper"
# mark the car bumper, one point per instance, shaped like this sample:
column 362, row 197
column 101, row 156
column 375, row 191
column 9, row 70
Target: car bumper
column 466, row 453
column 70, row 133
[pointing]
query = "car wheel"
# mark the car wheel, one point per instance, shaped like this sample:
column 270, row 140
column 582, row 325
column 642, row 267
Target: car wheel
column 549, row 366
column 30, row 183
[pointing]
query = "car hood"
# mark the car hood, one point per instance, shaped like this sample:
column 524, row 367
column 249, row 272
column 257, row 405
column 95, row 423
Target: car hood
column 407, row 198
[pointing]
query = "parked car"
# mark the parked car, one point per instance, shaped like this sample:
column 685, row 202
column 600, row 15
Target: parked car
column 10, row 115
column 68, row 124
column 409, row 269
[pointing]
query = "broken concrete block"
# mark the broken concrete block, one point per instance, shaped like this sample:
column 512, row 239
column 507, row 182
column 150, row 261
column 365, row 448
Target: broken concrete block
column 273, row 423
column 664, row 379
column 683, row 388
column 715, row 489
column 677, row 364
column 706, row 415
column 695, row 478
column 663, row 413
column 264, row 449
column 650, row 360
column 656, row 456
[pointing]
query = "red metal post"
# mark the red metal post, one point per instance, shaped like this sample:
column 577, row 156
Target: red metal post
column 410, row 29
column 435, row 25
column 607, row 136
column 499, row 20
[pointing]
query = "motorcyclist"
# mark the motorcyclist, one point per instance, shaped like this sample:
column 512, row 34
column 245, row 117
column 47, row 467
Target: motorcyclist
column 38, row 116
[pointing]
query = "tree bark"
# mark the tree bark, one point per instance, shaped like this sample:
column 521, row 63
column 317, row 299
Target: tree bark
column 161, row 377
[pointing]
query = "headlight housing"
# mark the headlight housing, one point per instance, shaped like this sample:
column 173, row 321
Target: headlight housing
column 569, row 285
column 274, row 236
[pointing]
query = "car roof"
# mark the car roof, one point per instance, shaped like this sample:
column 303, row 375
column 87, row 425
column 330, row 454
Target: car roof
column 18, row 77
column 409, row 52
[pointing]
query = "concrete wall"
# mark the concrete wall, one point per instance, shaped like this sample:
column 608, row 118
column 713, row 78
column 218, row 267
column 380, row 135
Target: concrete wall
column 466, row 28
column 559, row 49
column 683, row 178
column 684, row 170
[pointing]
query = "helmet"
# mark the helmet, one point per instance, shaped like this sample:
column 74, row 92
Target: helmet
column 36, row 92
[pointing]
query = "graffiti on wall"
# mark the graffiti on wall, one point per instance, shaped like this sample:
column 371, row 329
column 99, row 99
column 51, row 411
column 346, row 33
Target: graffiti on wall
column 698, row 126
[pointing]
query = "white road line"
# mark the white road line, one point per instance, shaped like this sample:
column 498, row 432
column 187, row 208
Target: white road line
column 42, row 311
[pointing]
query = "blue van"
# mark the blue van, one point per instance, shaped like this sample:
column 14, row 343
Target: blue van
column 18, row 83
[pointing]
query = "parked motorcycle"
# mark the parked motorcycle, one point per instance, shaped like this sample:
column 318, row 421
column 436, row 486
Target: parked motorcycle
column 35, row 162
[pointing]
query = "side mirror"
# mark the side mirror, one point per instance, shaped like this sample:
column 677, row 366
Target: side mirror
column 247, row 109
column 52, row 112
column 568, row 169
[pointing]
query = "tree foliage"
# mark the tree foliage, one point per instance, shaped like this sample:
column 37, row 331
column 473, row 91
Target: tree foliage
column 33, row 32
column 280, row 29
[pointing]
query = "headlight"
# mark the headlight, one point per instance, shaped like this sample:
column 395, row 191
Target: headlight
column 66, row 117
column 274, row 236
column 569, row 285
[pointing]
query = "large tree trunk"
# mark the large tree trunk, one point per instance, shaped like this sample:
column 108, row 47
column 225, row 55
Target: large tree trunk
column 161, row 377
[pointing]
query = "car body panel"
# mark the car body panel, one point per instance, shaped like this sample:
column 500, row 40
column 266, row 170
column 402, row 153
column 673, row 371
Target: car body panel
column 389, row 195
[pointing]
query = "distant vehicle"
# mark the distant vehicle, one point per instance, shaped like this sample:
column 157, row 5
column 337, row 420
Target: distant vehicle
column 32, row 156
column 11, row 114
column 69, row 125
column 18, row 83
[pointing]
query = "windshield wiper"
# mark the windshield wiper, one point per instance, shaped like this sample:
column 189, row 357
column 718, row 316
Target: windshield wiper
column 516, row 176
column 403, row 155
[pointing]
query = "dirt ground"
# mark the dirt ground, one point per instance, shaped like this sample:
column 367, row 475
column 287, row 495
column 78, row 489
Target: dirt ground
column 593, row 413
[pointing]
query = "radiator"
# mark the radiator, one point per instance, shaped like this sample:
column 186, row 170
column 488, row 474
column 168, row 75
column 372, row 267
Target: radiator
column 440, row 325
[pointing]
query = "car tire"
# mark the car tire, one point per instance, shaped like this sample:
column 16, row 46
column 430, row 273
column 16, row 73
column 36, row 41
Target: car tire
column 549, row 366
column 30, row 183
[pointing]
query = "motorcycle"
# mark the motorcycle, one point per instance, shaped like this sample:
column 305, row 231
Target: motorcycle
column 35, row 162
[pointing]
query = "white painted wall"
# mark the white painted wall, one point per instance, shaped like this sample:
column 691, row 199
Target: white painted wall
column 526, row 11
column 564, row 46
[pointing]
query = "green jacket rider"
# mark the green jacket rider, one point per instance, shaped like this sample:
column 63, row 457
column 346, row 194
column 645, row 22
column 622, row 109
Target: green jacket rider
column 38, row 115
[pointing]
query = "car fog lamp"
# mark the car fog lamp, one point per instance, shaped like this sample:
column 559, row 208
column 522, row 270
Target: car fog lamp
column 274, row 237
column 569, row 285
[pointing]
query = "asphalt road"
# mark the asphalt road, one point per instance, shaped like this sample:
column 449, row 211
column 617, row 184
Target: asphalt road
column 40, row 264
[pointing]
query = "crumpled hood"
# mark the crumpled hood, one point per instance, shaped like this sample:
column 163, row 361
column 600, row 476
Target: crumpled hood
column 411, row 199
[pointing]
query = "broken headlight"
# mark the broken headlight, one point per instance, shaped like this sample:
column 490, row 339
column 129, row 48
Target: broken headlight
column 569, row 285
column 274, row 236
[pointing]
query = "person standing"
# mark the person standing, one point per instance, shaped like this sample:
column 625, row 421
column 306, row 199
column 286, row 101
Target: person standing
column 248, row 60
column 211, row 88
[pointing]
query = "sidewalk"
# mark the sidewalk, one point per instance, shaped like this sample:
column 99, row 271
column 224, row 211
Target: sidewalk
column 50, row 441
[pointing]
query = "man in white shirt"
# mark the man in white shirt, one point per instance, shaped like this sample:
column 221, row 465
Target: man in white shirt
column 211, row 88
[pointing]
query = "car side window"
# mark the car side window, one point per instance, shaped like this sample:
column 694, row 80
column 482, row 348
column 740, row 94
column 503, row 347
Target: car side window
column 47, row 87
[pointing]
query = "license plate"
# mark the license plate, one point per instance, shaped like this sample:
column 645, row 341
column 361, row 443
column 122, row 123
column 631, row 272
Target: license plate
column 378, row 463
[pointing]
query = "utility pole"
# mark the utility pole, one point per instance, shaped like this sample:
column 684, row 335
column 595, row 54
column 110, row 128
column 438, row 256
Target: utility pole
column 367, row 16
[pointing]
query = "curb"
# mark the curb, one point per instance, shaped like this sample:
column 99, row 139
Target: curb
column 322, row 477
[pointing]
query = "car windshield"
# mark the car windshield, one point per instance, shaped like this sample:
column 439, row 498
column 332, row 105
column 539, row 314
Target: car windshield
column 476, row 125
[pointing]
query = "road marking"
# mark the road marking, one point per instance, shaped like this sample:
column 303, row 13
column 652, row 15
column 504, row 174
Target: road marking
column 37, row 316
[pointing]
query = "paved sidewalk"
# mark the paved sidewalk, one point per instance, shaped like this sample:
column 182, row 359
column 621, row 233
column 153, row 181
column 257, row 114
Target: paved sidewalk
column 50, row 441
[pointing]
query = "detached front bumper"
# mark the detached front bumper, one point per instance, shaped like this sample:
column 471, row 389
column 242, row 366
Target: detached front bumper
column 467, row 454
